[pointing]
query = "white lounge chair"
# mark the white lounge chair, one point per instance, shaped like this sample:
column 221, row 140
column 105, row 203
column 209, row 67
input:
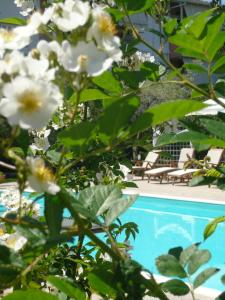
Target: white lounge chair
column 214, row 155
column 149, row 162
column 185, row 155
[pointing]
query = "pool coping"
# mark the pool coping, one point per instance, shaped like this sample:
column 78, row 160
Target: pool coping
column 169, row 197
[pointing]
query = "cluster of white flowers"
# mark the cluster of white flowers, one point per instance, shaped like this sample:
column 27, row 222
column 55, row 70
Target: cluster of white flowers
column 26, row 6
column 11, row 201
column 28, row 83
column 41, row 142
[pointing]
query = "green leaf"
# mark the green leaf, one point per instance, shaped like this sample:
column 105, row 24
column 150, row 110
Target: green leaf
column 134, row 7
column 198, row 23
column 215, row 46
column 79, row 137
column 195, row 67
column 216, row 128
column 204, row 276
column 187, row 253
column 53, row 212
column 131, row 78
column 164, row 112
column 90, row 95
column 102, row 281
column 213, row 29
column 211, row 227
column 176, row 287
column 221, row 296
column 170, row 26
column 67, row 288
column 191, row 53
column 219, row 66
column 108, row 82
column 168, row 265
column 8, row 274
column 151, row 71
column 111, row 127
column 30, row 295
column 199, row 258
column 186, row 41
column 223, row 279
column 118, row 207
column 13, row 21
column 187, row 136
column 201, row 180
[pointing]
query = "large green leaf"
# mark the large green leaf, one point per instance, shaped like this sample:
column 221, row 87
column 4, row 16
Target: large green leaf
column 79, row 137
column 219, row 66
column 213, row 29
column 195, row 68
column 170, row 26
column 108, row 82
column 199, row 258
column 216, row 128
column 168, row 265
column 103, row 282
column 186, row 41
column 131, row 78
column 53, row 212
column 164, row 112
column 188, row 136
column 13, row 21
column 187, row 253
column 30, row 295
column 134, row 7
column 211, row 227
column 117, row 208
column 90, row 95
column 198, row 23
column 204, row 276
column 216, row 45
column 191, row 53
column 176, row 287
column 111, row 126
column 67, row 288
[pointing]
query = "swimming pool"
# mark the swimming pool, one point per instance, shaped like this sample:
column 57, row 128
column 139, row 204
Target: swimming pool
column 166, row 223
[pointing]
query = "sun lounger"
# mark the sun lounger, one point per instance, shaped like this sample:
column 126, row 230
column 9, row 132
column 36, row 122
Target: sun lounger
column 185, row 155
column 149, row 162
column 214, row 155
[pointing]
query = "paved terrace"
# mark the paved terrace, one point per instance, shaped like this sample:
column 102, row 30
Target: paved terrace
column 181, row 190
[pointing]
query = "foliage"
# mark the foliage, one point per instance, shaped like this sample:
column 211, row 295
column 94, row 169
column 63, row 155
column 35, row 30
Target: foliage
column 92, row 117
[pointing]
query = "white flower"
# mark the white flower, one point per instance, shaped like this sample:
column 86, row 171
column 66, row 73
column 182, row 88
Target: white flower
column 14, row 241
column 70, row 15
column 29, row 103
column 41, row 179
column 27, row 6
column 47, row 48
column 11, row 64
column 84, row 57
column 13, row 39
column 41, row 141
column 103, row 30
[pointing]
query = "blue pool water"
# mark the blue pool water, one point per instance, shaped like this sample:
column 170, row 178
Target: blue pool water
column 165, row 223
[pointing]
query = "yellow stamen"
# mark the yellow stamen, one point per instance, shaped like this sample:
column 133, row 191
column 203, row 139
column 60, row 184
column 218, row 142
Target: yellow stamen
column 44, row 174
column 2, row 232
column 30, row 101
column 7, row 35
column 106, row 25
column 82, row 60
